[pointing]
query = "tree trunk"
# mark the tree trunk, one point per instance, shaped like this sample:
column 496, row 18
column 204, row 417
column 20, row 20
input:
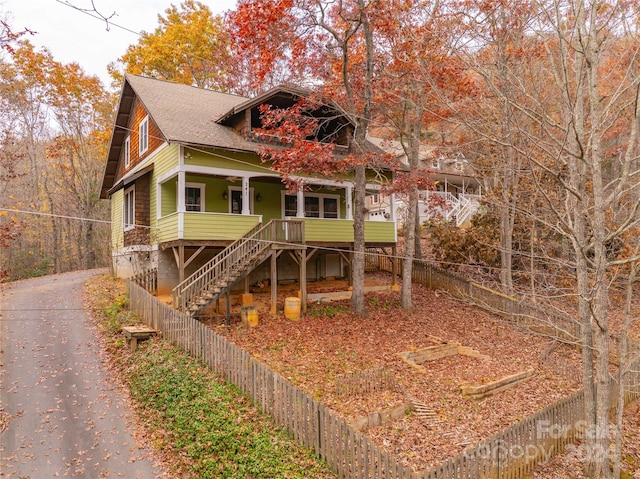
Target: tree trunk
column 418, row 233
column 357, row 297
column 409, row 245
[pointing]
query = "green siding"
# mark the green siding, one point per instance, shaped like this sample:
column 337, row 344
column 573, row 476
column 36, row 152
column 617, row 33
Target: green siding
column 168, row 197
column 117, row 234
column 227, row 159
column 271, row 205
column 163, row 162
column 225, row 227
column 380, row 232
column 321, row 230
column 168, row 228
column 205, row 226
column 166, row 160
column 212, row 226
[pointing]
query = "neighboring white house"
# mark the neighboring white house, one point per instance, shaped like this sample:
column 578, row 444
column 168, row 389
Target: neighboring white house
column 456, row 196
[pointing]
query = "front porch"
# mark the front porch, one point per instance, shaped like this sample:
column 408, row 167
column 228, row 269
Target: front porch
column 220, row 229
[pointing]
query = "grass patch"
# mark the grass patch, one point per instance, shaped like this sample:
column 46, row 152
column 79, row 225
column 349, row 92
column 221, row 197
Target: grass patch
column 328, row 310
column 198, row 425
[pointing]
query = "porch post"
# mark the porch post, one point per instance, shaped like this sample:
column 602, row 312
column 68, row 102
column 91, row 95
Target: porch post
column 246, row 200
column 349, row 202
column 303, row 279
column 394, row 265
column 300, row 203
column 181, row 262
column 181, row 204
column 181, row 189
column 392, row 211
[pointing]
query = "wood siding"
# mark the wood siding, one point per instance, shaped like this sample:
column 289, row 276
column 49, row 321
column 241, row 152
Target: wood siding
column 205, row 226
column 166, row 159
column 167, row 228
column 140, row 234
column 341, row 231
column 155, row 139
column 228, row 159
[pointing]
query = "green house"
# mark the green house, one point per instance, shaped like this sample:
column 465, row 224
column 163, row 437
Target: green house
column 185, row 182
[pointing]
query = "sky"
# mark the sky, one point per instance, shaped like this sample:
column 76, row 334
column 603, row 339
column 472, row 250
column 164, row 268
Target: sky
column 74, row 36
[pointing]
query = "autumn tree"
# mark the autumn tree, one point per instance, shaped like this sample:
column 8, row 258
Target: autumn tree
column 57, row 116
column 10, row 226
column 331, row 44
column 191, row 45
column 568, row 90
column 414, row 41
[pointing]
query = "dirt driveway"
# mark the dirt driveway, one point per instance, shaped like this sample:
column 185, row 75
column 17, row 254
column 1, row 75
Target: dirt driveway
column 60, row 415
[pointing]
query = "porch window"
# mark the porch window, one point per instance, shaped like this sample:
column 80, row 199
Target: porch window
column 129, row 209
column 330, row 207
column 143, row 136
column 290, row 205
column 194, row 197
column 315, row 206
column 311, row 207
column 127, row 152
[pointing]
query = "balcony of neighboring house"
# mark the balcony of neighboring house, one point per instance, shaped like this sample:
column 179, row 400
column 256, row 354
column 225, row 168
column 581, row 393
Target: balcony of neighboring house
column 453, row 202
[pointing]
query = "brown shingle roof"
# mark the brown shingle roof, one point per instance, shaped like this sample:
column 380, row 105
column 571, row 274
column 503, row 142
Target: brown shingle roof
column 187, row 114
column 184, row 114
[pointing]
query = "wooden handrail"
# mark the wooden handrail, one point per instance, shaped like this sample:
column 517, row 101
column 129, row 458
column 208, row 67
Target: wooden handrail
column 236, row 257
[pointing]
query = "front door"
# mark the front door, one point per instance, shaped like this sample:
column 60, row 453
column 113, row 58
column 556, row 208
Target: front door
column 236, row 201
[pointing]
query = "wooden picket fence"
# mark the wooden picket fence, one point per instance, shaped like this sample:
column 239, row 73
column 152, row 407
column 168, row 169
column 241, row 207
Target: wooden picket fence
column 148, row 279
column 561, row 327
column 510, row 454
column 348, row 453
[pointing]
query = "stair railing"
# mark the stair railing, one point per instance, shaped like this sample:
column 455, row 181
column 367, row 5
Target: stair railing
column 452, row 201
column 468, row 207
column 236, row 257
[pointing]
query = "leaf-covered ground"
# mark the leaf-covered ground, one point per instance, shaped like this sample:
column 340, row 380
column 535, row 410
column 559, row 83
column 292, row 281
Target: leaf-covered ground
column 329, row 342
column 197, row 425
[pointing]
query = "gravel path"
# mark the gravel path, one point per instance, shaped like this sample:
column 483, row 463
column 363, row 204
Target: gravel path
column 60, row 414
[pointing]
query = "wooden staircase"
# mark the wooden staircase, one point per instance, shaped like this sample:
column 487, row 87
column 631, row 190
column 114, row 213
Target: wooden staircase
column 234, row 263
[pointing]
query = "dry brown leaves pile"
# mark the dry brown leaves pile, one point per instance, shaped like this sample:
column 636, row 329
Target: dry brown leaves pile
column 315, row 351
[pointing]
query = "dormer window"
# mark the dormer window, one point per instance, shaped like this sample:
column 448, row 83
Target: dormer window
column 435, row 163
column 143, row 136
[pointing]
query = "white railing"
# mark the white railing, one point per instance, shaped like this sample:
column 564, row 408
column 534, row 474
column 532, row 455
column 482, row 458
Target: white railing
column 468, row 205
column 448, row 206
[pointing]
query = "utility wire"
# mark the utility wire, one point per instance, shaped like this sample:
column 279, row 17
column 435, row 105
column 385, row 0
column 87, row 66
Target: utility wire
column 233, row 238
